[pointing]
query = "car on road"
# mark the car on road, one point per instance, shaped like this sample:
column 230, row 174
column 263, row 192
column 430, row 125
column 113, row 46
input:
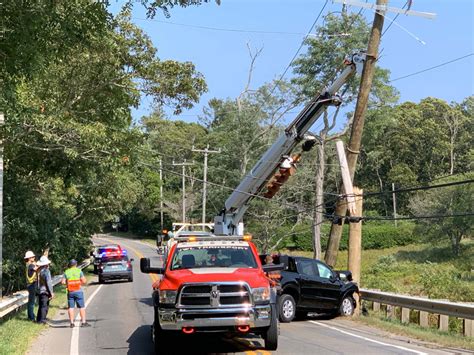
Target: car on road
column 309, row 285
column 102, row 252
column 212, row 284
column 115, row 268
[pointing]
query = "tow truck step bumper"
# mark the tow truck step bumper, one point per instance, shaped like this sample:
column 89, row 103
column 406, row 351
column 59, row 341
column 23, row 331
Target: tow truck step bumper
column 176, row 319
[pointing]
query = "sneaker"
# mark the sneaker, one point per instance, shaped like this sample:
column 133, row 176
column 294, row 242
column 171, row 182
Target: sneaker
column 85, row 324
column 71, row 325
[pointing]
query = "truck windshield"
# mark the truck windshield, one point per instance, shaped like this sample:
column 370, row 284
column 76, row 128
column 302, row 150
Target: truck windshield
column 213, row 256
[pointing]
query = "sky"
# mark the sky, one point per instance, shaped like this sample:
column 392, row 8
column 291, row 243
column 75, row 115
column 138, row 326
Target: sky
column 222, row 56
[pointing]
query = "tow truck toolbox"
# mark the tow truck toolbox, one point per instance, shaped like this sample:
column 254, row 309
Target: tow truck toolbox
column 213, row 284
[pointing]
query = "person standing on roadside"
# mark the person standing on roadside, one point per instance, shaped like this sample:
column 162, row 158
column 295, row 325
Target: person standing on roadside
column 45, row 288
column 74, row 278
column 31, row 283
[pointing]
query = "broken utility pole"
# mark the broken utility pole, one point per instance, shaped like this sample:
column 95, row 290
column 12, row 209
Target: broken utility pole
column 357, row 126
column 355, row 244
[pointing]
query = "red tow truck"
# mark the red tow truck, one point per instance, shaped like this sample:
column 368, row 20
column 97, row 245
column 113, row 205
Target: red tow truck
column 213, row 283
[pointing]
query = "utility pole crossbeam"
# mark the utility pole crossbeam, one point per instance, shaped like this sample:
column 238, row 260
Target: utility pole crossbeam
column 206, row 151
column 385, row 8
column 183, row 165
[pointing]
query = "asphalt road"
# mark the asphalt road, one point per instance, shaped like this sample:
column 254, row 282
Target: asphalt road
column 121, row 314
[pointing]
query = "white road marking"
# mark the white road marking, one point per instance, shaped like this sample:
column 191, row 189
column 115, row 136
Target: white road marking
column 74, row 349
column 367, row 339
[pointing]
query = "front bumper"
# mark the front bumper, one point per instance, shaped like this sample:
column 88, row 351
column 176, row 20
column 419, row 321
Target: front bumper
column 175, row 319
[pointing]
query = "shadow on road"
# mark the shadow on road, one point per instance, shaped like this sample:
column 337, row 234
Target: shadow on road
column 140, row 343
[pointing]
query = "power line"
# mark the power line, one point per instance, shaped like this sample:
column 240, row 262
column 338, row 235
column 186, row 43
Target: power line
column 418, row 188
column 431, row 68
column 355, row 219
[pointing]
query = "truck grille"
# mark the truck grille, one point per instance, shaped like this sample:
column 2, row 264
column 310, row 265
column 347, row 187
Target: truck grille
column 214, row 295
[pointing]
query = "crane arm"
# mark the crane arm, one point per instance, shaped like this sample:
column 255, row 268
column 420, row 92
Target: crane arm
column 229, row 221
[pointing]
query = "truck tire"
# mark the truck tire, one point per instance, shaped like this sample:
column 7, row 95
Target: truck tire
column 271, row 335
column 346, row 309
column 286, row 308
column 163, row 340
column 130, row 278
column 101, row 280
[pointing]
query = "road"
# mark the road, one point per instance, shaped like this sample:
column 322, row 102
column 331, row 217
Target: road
column 120, row 314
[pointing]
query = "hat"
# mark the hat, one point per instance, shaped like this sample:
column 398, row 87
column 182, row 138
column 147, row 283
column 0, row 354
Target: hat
column 43, row 261
column 72, row 262
column 29, row 254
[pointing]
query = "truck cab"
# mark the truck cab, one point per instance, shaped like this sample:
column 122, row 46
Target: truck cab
column 213, row 284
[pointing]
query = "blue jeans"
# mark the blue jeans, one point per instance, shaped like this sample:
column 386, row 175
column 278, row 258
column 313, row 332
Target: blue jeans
column 31, row 301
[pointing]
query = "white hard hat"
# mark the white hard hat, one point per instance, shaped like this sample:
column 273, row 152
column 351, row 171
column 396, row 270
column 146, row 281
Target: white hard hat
column 43, row 261
column 29, row 254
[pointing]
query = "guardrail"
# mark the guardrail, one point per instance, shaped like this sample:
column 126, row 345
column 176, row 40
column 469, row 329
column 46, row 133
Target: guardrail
column 20, row 298
column 443, row 309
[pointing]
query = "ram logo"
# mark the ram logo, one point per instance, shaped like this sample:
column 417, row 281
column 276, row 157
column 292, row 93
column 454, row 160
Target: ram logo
column 215, row 297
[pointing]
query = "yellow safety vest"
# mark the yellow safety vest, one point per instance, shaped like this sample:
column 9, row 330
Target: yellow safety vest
column 30, row 279
column 73, row 279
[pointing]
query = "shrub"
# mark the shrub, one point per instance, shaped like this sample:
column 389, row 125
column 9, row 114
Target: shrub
column 374, row 236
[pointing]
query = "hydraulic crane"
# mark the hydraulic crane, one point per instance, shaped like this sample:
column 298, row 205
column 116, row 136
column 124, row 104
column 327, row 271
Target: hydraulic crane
column 276, row 165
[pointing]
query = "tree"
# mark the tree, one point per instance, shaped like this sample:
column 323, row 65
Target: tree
column 446, row 201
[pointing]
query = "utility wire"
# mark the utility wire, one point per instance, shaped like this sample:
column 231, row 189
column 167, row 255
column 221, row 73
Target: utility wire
column 418, row 188
column 431, row 68
column 360, row 218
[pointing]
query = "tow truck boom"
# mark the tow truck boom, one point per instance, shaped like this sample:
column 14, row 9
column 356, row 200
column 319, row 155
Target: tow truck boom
column 229, row 221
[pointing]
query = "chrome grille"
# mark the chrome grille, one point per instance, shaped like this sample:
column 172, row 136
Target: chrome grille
column 214, row 295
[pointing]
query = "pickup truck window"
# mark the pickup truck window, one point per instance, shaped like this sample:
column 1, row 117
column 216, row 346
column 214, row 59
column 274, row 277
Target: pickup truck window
column 305, row 267
column 324, row 271
column 213, row 256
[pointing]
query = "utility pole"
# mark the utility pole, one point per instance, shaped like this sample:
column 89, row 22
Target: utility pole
column 394, row 204
column 204, row 188
column 355, row 244
column 2, row 122
column 183, row 165
column 161, row 193
column 361, row 106
column 357, row 126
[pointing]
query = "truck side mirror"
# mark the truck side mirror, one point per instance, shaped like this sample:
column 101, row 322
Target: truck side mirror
column 147, row 269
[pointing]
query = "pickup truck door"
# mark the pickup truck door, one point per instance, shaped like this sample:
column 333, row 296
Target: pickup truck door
column 308, row 280
column 328, row 287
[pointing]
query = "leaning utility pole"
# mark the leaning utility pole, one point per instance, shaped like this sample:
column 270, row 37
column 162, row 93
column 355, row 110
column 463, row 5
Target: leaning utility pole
column 359, row 115
column 204, row 187
column 161, row 194
column 183, row 165
column 355, row 244
column 357, row 126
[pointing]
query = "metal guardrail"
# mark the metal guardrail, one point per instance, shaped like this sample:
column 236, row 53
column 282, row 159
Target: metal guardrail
column 460, row 310
column 20, row 298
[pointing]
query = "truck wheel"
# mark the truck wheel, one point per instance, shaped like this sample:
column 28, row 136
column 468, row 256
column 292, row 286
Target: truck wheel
column 271, row 335
column 130, row 279
column 346, row 308
column 286, row 308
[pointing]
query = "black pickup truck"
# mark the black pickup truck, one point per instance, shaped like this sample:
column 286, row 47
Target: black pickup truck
column 309, row 285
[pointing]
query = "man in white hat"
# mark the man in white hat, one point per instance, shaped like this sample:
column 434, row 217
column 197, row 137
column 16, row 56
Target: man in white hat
column 45, row 288
column 31, row 283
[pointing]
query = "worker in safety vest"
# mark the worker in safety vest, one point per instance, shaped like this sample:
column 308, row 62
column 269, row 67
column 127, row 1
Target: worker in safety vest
column 31, row 283
column 73, row 278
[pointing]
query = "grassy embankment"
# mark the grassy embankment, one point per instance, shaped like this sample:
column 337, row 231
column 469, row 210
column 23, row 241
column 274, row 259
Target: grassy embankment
column 17, row 333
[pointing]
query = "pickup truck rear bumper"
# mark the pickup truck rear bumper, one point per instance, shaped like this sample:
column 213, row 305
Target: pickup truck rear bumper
column 176, row 319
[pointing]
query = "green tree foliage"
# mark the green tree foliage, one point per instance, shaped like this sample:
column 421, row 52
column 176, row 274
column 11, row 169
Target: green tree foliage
column 70, row 75
column 411, row 144
column 449, row 200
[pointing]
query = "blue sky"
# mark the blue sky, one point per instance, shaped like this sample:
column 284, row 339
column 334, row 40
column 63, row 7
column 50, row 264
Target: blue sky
column 223, row 58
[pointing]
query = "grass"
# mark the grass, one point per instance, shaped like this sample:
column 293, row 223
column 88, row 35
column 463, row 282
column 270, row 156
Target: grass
column 446, row 339
column 17, row 333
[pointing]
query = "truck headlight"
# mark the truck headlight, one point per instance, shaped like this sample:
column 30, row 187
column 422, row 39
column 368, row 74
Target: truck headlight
column 261, row 294
column 168, row 296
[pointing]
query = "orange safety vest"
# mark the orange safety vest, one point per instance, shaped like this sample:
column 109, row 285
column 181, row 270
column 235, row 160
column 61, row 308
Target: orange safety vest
column 73, row 279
